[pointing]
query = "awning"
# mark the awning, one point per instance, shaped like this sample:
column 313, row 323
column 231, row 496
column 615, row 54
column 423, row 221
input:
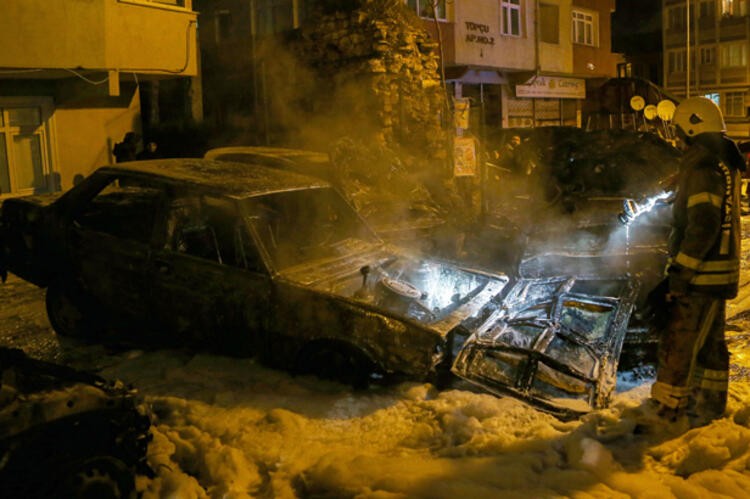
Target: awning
column 472, row 74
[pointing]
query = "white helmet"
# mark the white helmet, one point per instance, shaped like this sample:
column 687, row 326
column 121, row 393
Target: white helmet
column 697, row 115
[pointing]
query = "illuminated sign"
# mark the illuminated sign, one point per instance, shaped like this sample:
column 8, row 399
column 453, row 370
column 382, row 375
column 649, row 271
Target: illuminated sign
column 553, row 86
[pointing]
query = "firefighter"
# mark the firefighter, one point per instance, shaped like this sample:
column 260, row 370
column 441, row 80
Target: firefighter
column 703, row 270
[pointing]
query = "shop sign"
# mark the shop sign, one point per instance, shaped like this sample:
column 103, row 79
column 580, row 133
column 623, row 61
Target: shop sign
column 553, row 86
column 464, row 156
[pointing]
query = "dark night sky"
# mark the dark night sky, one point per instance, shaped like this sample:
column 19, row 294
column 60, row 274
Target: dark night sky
column 636, row 26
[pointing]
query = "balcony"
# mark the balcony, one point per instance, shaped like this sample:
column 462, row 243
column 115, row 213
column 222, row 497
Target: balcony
column 149, row 37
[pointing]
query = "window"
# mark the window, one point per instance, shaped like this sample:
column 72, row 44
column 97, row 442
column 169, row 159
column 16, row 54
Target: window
column 734, row 104
column 510, row 17
column 707, row 9
column 428, row 8
column 733, row 55
column 583, row 28
column 708, row 55
column 124, row 209
column 714, row 97
column 676, row 18
column 549, row 23
column 275, row 16
column 222, row 25
column 23, row 146
column 733, row 7
column 676, row 61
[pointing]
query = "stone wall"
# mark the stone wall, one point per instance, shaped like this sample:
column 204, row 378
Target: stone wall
column 379, row 70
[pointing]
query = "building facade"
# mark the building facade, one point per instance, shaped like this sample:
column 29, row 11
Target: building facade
column 636, row 33
column 70, row 78
column 524, row 63
column 520, row 63
column 706, row 53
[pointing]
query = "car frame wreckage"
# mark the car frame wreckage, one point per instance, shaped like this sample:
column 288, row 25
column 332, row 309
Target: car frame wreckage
column 68, row 433
column 254, row 261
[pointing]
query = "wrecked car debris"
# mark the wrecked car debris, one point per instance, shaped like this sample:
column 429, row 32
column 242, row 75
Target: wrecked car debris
column 86, row 436
column 259, row 262
column 556, row 341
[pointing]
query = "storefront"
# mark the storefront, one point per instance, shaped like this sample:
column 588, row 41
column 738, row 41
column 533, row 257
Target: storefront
column 544, row 101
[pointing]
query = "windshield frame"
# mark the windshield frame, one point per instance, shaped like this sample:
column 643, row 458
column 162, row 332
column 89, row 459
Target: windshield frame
column 260, row 212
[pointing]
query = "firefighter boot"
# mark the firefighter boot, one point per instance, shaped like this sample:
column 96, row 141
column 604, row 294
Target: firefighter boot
column 706, row 406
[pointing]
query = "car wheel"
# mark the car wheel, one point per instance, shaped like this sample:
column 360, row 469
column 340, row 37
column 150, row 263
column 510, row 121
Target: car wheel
column 66, row 312
column 98, row 478
column 337, row 362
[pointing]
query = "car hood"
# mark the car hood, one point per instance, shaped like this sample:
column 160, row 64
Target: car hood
column 555, row 342
column 435, row 294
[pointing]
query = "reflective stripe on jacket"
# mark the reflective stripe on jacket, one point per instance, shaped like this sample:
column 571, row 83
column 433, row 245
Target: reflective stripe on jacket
column 705, row 238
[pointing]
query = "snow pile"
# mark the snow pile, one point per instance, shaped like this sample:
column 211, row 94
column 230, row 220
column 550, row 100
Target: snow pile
column 231, row 428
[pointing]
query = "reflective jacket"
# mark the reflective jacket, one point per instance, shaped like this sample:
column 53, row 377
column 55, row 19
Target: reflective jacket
column 704, row 245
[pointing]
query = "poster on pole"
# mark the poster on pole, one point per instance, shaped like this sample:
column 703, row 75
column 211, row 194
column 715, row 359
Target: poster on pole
column 464, row 156
column 461, row 113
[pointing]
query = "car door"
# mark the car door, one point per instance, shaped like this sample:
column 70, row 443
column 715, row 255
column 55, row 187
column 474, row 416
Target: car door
column 556, row 342
column 109, row 241
column 207, row 289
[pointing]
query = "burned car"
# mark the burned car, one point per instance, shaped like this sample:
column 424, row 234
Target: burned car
column 571, row 203
column 400, row 219
column 67, row 433
column 249, row 260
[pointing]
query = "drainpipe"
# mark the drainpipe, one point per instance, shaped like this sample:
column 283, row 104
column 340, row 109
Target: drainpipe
column 537, row 64
column 448, row 117
column 687, row 48
column 537, row 61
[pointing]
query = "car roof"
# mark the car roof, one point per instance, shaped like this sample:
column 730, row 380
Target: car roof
column 233, row 179
column 296, row 155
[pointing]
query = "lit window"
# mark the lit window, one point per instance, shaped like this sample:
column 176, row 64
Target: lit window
column 734, row 104
column 708, row 55
column 428, row 8
column 714, row 97
column 733, row 55
column 734, row 7
column 583, row 28
column 510, row 17
column 676, row 61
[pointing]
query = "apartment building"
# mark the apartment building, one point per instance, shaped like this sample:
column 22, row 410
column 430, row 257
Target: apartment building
column 706, row 53
column 526, row 62
column 520, row 63
column 70, row 78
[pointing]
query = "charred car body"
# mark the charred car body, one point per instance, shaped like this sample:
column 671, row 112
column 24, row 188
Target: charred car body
column 67, row 433
column 401, row 220
column 257, row 261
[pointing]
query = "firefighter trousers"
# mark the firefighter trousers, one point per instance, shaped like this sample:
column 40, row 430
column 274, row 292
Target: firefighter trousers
column 693, row 368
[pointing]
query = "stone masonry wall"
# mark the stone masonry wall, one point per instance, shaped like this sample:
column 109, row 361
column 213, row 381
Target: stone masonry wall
column 383, row 71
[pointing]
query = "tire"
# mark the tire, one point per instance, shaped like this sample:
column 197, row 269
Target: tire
column 67, row 313
column 337, row 362
column 98, row 478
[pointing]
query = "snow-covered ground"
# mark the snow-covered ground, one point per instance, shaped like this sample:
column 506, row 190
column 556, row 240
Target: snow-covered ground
column 227, row 427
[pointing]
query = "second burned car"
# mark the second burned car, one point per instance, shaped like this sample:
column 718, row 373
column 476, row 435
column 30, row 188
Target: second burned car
column 260, row 262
